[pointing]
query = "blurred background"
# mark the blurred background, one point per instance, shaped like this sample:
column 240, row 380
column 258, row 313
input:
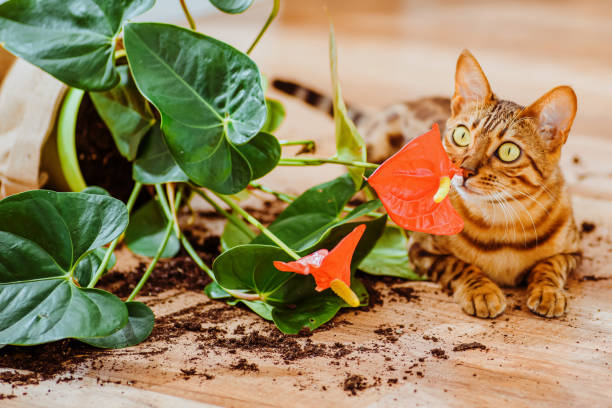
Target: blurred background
column 394, row 50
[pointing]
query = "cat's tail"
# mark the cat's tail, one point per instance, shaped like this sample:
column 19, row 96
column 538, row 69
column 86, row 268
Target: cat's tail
column 316, row 99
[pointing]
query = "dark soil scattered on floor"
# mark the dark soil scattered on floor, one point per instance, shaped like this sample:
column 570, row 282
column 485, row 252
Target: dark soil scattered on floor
column 587, row 227
column 218, row 328
column 243, row 365
column 439, row 353
column 355, row 382
column 469, row 346
column 593, row 278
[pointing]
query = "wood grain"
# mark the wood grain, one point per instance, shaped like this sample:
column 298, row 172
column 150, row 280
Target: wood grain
column 389, row 51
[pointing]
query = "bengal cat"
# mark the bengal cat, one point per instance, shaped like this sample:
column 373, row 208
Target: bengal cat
column 517, row 211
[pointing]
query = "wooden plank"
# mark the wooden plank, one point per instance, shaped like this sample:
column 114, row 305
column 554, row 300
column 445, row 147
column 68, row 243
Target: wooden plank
column 387, row 53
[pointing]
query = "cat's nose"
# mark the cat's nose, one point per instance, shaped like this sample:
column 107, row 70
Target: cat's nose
column 469, row 171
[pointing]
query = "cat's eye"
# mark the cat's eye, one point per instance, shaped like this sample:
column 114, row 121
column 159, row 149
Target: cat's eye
column 508, row 152
column 461, row 136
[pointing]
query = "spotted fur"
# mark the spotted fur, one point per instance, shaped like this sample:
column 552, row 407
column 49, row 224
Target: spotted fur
column 519, row 223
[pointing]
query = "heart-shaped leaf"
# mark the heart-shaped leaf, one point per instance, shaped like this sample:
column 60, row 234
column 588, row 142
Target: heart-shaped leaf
column 43, row 237
column 139, row 327
column 146, row 232
column 155, row 164
column 232, row 6
column 349, row 143
column 210, row 98
column 389, row 257
column 249, row 268
column 125, row 113
column 73, row 40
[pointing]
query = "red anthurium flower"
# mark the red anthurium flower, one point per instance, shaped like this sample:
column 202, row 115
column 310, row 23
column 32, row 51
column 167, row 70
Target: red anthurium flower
column 330, row 269
column 413, row 185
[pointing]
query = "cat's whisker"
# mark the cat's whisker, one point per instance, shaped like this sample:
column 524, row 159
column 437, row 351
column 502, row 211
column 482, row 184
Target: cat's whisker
column 535, row 231
column 511, row 208
column 529, row 196
column 503, row 208
column 547, row 191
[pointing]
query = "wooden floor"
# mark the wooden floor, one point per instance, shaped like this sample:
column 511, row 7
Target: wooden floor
column 390, row 51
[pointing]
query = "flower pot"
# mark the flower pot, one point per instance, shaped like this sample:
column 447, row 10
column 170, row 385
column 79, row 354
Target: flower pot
column 81, row 151
column 60, row 158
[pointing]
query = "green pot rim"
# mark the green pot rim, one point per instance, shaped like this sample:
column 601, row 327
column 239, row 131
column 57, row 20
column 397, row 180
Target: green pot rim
column 66, row 135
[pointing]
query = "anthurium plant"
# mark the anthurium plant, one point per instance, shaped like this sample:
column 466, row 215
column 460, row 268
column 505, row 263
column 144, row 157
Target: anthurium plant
column 190, row 112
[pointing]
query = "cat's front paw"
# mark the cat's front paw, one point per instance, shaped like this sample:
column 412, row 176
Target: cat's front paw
column 486, row 300
column 547, row 301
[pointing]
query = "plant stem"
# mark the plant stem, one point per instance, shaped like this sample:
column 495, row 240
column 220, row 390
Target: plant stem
column 231, row 217
column 189, row 248
column 252, row 220
column 153, row 263
column 192, row 24
column 196, row 258
column 318, row 162
column 309, row 143
column 163, row 201
column 111, row 248
column 281, row 196
column 271, row 18
column 162, row 246
column 170, row 193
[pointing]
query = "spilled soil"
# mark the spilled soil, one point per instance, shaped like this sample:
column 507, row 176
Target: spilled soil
column 207, row 324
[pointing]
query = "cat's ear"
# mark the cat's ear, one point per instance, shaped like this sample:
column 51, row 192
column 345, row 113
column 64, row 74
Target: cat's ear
column 554, row 113
column 471, row 84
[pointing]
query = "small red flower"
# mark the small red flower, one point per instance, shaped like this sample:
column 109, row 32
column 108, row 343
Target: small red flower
column 330, row 269
column 413, row 185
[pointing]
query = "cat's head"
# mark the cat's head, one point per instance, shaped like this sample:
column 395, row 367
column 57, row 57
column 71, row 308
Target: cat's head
column 501, row 146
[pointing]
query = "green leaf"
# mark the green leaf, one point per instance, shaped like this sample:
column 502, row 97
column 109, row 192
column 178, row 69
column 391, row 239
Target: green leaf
column 155, row 164
column 214, row 291
column 233, row 236
column 349, row 143
column 303, row 222
column 249, row 267
column 389, row 257
column 73, row 40
column 138, row 328
column 232, row 6
column 262, row 153
column 261, row 308
column 125, row 113
column 314, row 311
column 210, row 98
column 292, row 299
column 86, row 269
column 43, row 237
column 95, row 190
column 146, row 232
column 275, row 117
